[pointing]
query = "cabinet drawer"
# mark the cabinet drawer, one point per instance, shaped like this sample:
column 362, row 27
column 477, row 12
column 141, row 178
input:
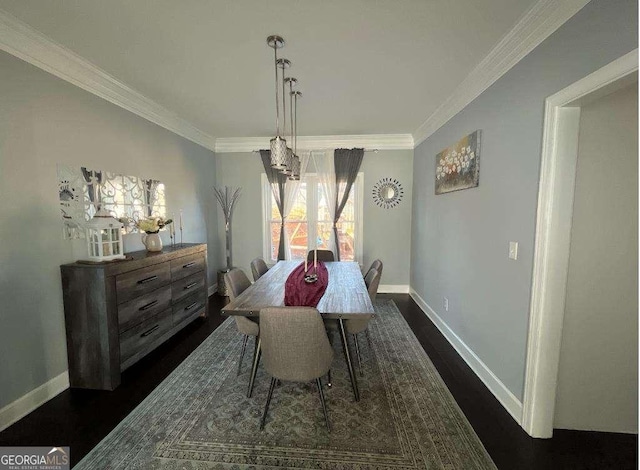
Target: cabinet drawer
column 138, row 337
column 187, row 286
column 141, row 308
column 141, row 281
column 187, row 265
column 189, row 306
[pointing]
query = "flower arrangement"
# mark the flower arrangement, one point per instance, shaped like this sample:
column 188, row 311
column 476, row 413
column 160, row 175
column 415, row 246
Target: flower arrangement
column 152, row 224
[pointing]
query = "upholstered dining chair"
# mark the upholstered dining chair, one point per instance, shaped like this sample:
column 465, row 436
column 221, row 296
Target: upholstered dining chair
column 258, row 268
column 377, row 264
column 295, row 348
column 237, row 282
column 354, row 327
column 323, row 255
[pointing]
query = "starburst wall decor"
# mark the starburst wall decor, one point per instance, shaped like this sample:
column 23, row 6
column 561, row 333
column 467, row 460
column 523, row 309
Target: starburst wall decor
column 387, row 193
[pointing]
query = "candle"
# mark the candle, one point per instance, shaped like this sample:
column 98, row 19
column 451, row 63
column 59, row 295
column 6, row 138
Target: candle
column 305, row 264
column 315, row 257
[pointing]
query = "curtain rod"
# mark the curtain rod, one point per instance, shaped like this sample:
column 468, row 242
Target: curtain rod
column 366, row 150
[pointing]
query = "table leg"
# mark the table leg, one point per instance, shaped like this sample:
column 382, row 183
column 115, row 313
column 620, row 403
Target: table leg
column 347, row 356
column 254, row 370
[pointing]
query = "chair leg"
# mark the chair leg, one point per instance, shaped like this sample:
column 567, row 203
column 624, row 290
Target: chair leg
column 324, row 405
column 244, row 348
column 355, row 340
column 329, row 383
column 266, row 406
column 254, row 369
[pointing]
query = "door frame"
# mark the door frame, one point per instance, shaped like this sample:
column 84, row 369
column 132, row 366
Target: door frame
column 552, row 242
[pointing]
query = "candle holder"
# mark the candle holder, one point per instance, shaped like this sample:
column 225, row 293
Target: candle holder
column 311, row 278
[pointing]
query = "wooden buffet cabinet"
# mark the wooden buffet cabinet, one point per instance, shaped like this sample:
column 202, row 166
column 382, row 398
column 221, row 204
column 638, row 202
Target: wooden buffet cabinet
column 118, row 312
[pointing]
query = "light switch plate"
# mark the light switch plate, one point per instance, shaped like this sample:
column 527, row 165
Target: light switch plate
column 513, row 250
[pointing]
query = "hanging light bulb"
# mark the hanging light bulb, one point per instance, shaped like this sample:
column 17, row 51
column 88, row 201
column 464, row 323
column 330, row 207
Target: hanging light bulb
column 278, row 144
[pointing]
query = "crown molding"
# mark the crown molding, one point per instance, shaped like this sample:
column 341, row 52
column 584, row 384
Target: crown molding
column 23, row 41
column 537, row 24
column 373, row 141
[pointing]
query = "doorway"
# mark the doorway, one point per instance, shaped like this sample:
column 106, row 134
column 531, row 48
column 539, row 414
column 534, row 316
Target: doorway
column 553, row 236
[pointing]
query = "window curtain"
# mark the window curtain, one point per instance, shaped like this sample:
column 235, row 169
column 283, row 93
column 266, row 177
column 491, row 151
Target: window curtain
column 347, row 164
column 323, row 162
column 291, row 188
column 277, row 181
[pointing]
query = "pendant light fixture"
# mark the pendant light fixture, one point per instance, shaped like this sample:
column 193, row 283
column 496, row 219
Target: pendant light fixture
column 288, row 171
column 278, row 144
column 295, row 163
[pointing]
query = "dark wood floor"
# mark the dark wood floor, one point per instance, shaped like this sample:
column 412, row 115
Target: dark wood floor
column 82, row 418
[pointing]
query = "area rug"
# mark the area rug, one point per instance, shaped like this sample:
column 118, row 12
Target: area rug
column 200, row 418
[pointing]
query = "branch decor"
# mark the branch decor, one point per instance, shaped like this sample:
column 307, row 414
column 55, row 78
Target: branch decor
column 227, row 197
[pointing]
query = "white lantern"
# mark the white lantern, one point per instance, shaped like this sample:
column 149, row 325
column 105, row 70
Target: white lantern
column 104, row 237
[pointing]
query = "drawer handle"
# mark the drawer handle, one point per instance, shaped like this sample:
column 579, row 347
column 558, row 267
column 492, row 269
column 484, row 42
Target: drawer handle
column 189, row 307
column 189, row 286
column 188, row 265
column 147, row 279
column 148, row 306
column 148, row 332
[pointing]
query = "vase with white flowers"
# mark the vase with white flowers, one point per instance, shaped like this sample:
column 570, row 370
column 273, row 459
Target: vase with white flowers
column 151, row 226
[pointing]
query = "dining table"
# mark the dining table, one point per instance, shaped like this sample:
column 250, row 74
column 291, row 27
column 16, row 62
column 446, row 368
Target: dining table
column 345, row 298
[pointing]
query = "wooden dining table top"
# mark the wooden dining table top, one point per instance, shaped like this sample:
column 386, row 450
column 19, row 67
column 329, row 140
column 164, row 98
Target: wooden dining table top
column 346, row 296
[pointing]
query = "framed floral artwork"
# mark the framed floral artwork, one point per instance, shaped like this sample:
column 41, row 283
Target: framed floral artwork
column 458, row 166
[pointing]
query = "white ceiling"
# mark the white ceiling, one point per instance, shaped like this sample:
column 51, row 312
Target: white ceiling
column 364, row 66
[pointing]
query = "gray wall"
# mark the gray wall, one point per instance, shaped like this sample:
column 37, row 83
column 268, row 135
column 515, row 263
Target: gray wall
column 45, row 121
column 386, row 232
column 600, row 327
column 460, row 240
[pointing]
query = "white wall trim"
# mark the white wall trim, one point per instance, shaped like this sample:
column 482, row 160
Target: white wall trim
column 537, row 24
column 552, row 242
column 23, row 41
column 372, row 141
column 508, row 400
column 213, row 289
column 32, row 400
column 393, row 289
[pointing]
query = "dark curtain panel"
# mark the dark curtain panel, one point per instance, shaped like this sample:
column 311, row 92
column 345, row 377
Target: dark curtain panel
column 277, row 181
column 347, row 164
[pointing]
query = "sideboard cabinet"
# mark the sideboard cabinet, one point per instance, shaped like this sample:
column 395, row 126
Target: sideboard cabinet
column 118, row 312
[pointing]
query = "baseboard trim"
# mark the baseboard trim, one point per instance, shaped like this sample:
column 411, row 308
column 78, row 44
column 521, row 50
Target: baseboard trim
column 32, row 400
column 393, row 289
column 213, row 289
column 507, row 399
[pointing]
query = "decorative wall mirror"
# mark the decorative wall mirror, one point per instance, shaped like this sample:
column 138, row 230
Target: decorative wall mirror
column 387, row 193
column 127, row 198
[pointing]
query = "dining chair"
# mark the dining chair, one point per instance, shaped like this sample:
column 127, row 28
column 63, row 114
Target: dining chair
column 377, row 264
column 323, row 255
column 354, row 327
column 295, row 348
column 237, row 282
column 258, row 268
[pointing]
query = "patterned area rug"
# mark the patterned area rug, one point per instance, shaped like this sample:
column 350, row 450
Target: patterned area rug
column 200, row 418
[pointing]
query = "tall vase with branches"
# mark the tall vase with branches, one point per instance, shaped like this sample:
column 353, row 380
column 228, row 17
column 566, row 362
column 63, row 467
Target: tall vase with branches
column 227, row 197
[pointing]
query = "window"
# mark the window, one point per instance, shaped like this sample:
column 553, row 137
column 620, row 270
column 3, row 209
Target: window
column 309, row 221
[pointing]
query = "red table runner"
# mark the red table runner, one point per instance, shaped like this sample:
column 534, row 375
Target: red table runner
column 301, row 294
